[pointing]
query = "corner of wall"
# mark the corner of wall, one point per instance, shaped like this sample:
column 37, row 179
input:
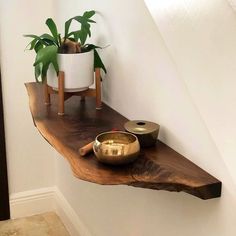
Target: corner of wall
column 42, row 200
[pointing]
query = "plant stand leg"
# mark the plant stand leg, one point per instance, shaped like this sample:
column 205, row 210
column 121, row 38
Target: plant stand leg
column 61, row 82
column 47, row 98
column 98, row 89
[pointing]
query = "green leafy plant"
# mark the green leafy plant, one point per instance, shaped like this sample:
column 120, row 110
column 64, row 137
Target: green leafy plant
column 47, row 46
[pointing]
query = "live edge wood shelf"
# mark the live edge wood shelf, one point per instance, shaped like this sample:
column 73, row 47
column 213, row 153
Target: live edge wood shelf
column 159, row 168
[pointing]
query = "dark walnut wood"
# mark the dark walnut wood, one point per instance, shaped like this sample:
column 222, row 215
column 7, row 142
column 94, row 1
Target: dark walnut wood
column 159, row 167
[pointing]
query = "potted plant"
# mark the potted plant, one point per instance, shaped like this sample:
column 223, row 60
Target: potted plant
column 69, row 53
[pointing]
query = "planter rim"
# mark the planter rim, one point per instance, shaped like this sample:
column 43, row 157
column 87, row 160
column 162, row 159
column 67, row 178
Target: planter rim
column 80, row 53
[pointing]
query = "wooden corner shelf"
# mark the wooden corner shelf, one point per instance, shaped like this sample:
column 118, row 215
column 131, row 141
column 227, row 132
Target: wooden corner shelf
column 159, row 167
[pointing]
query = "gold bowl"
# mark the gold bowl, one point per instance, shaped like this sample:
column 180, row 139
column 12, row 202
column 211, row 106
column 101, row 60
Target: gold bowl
column 116, row 147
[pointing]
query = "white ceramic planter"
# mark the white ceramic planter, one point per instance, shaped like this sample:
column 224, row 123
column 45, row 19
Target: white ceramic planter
column 78, row 69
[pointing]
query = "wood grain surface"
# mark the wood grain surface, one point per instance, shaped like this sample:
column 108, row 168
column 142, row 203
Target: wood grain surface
column 159, row 167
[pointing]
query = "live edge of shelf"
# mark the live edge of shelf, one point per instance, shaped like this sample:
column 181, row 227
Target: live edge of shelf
column 159, row 167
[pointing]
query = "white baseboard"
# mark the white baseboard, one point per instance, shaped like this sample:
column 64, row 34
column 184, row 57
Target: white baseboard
column 69, row 217
column 32, row 202
column 44, row 200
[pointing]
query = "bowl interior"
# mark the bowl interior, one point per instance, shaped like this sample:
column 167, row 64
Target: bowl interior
column 116, row 137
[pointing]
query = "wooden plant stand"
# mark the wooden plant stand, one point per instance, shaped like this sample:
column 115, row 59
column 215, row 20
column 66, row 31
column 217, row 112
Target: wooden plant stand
column 63, row 96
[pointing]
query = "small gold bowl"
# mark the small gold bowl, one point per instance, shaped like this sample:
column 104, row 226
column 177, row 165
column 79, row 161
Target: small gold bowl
column 116, row 147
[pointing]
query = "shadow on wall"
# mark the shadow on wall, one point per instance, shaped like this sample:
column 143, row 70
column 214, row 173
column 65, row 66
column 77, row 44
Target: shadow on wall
column 148, row 210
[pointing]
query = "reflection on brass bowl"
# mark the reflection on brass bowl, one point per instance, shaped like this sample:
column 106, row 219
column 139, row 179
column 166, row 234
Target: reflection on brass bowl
column 116, row 147
column 146, row 131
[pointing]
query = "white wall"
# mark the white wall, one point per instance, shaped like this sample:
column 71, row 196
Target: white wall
column 153, row 88
column 30, row 159
column 201, row 38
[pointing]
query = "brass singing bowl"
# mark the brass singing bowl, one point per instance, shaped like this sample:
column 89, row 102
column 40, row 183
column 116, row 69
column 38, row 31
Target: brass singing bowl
column 116, row 147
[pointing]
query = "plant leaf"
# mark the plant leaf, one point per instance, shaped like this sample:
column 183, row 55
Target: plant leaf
column 80, row 19
column 44, row 72
column 85, row 26
column 89, row 14
column 44, row 39
column 90, row 47
column 68, row 23
column 48, row 36
column 76, row 35
column 45, row 55
column 32, row 44
column 38, row 46
column 72, row 34
column 98, row 61
column 67, row 26
column 53, row 28
column 59, row 38
column 80, row 34
column 36, row 38
column 44, row 58
column 56, row 66
column 32, row 36
column 91, row 21
column 38, row 71
column 83, row 36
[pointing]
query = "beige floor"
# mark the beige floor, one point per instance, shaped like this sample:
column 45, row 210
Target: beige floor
column 47, row 224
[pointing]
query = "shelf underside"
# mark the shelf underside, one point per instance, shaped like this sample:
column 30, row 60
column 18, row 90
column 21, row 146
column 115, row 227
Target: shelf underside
column 159, row 167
